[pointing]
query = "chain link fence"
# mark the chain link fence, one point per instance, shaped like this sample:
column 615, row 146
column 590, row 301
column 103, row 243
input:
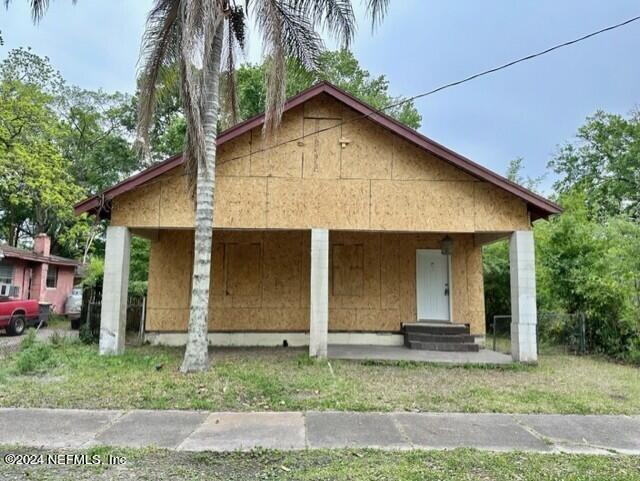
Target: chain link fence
column 556, row 331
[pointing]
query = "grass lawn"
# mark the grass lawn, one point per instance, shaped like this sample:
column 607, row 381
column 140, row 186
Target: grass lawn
column 67, row 374
column 159, row 465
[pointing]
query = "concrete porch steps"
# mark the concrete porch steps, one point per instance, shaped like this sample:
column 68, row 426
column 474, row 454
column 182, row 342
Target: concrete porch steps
column 439, row 336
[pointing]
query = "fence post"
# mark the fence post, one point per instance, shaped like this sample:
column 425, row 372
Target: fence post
column 583, row 334
column 88, row 320
column 142, row 319
column 494, row 332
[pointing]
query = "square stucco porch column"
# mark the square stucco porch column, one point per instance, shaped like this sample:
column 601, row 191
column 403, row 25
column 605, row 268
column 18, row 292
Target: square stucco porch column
column 523, row 297
column 114, row 291
column 319, row 299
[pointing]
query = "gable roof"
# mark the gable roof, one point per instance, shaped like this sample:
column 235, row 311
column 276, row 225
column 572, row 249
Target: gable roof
column 539, row 206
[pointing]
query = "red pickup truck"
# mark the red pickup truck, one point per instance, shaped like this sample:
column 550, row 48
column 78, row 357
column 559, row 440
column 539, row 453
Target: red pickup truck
column 15, row 315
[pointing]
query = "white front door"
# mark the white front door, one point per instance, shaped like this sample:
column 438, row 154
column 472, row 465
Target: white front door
column 432, row 285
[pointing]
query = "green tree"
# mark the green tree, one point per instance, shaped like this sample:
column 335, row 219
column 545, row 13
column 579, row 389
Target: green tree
column 339, row 67
column 58, row 143
column 588, row 266
column 95, row 132
column 604, row 163
column 36, row 187
column 514, row 174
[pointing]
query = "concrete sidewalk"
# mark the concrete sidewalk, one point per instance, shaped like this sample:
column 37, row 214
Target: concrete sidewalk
column 205, row 431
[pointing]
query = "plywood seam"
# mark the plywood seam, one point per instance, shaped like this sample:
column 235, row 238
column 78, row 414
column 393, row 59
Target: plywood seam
column 160, row 201
column 250, row 152
column 475, row 207
column 340, row 151
column 379, row 270
column 266, row 204
column 466, row 272
column 370, row 203
column 386, row 179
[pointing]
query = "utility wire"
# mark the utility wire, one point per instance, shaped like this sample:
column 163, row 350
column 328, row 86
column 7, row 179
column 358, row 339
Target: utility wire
column 514, row 62
column 446, row 86
column 438, row 89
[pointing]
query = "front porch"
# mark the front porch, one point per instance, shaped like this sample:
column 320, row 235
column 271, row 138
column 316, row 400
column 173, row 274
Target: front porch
column 321, row 287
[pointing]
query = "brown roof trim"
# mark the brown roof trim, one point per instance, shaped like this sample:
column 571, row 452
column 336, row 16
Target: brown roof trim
column 9, row 252
column 539, row 206
column 92, row 203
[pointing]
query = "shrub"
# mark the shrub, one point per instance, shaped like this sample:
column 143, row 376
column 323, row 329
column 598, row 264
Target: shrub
column 34, row 356
column 87, row 334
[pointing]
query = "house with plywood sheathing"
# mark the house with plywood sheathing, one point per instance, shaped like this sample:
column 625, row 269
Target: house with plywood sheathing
column 339, row 228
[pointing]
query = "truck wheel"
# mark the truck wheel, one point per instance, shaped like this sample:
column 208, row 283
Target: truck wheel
column 16, row 325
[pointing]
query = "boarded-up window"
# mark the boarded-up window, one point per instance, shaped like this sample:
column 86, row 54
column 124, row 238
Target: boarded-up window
column 348, row 270
column 244, row 270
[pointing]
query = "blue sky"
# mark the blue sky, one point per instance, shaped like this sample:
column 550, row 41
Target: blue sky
column 525, row 111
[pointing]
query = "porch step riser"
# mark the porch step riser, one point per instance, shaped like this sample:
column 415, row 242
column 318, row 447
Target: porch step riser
column 432, row 336
column 454, row 338
column 445, row 346
column 448, row 330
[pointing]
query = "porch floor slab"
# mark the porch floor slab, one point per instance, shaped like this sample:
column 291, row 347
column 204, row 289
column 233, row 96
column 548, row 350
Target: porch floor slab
column 401, row 353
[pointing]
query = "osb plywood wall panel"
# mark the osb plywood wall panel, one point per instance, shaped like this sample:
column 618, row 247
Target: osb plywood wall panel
column 378, row 181
column 278, row 155
column 422, row 205
column 138, row 207
column 496, row 210
column 169, row 289
column 295, row 204
column 260, row 281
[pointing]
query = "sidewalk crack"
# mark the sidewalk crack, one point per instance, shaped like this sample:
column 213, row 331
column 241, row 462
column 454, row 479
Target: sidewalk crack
column 106, row 427
column 557, row 444
column 401, row 430
column 179, row 445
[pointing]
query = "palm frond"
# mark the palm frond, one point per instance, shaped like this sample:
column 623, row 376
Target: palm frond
column 285, row 31
column 190, row 75
column 237, row 22
column 336, row 16
column 228, row 80
column 376, row 9
column 159, row 48
column 38, row 8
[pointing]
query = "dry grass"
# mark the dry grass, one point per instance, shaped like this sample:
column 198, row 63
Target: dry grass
column 72, row 375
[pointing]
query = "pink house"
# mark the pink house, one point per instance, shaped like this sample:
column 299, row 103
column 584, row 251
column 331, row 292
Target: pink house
column 36, row 274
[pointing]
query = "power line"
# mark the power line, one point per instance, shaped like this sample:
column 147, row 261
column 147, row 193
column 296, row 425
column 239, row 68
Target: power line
column 431, row 92
column 446, row 86
column 514, row 62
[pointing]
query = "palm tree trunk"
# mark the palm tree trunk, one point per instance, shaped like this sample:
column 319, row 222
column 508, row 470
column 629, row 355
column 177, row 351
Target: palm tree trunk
column 196, row 353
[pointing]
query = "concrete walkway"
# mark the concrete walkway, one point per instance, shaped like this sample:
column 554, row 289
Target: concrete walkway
column 205, row 431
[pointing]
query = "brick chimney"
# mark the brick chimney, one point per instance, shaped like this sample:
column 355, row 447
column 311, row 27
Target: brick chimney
column 42, row 245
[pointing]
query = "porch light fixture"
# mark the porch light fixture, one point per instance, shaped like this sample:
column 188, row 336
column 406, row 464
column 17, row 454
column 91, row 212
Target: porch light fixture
column 446, row 245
